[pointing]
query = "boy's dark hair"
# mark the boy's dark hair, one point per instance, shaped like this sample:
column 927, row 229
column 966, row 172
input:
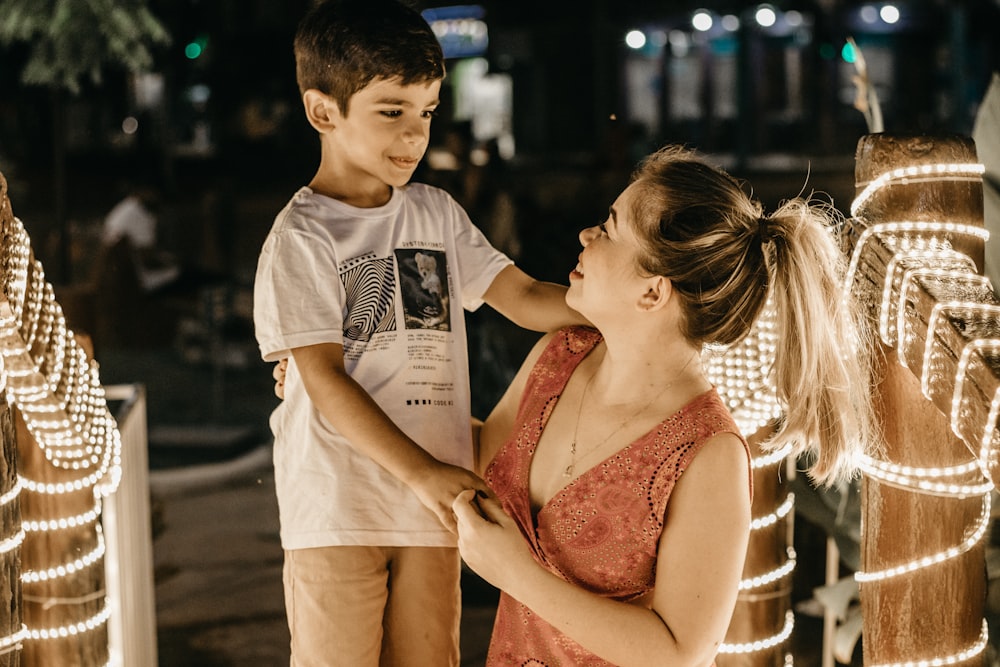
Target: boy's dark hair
column 343, row 45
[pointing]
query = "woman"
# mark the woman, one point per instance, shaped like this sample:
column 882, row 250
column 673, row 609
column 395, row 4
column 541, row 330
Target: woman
column 622, row 515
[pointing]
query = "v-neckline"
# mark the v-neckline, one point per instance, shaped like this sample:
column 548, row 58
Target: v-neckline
column 557, row 396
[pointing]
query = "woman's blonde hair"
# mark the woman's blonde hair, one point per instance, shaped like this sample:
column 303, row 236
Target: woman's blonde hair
column 725, row 258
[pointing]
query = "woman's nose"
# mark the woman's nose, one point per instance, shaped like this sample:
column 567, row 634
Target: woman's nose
column 587, row 235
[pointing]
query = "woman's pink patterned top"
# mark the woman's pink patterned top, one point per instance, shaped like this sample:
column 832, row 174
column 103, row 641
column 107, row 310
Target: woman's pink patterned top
column 601, row 530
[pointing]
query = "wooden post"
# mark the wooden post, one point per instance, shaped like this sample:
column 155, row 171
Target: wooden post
column 68, row 449
column 74, row 598
column 762, row 613
column 912, row 508
column 11, row 536
column 11, row 623
column 762, row 622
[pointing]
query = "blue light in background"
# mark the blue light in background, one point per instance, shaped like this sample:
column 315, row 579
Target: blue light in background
column 460, row 30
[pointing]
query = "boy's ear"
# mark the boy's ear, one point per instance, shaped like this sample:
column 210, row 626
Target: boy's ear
column 321, row 111
column 657, row 294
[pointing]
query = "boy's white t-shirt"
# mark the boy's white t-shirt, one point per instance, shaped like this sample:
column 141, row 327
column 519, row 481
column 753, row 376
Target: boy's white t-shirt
column 389, row 284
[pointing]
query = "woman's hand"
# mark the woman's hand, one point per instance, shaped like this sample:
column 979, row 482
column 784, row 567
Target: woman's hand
column 490, row 541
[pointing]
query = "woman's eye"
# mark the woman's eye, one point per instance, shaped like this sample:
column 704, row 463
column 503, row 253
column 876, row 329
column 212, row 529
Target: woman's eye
column 603, row 227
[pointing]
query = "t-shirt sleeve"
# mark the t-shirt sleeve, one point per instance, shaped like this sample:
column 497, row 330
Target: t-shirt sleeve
column 298, row 297
column 478, row 261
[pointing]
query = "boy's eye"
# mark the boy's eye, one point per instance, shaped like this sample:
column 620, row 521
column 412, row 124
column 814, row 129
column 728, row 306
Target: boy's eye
column 392, row 113
column 430, row 113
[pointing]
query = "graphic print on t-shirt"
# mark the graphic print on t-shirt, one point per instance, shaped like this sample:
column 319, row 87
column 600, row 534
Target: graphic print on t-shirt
column 423, row 281
column 369, row 283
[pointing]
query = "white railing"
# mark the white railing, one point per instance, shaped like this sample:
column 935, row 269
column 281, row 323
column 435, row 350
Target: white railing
column 128, row 532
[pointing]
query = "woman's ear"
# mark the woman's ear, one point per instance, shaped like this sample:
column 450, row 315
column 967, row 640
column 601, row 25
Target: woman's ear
column 657, row 294
column 321, row 110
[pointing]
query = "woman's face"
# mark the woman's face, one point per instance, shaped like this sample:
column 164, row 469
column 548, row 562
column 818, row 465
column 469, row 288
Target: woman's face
column 606, row 277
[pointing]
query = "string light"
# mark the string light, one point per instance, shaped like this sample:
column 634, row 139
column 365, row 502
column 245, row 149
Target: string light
column 960, row 657
column 770, row 519
column 13, row 494
column 12, row 542
column 945, row 258
column 918, row 174
column 74, row 566
column 934, row 559
column 955, row 282
column 741, row 375
column 938, row 315
column 776, row 574
column 13, row 641
column 56, row 387
column 915, row 479
column 904, row 228
column 63, row 523
column 90, row 624
column 991, row 345
column 763, row 644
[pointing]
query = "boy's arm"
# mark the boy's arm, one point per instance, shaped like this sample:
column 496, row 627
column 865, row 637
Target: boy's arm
column 356, row 416
column 529, row 303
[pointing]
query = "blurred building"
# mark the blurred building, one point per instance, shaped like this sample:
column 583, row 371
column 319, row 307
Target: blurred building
column 551, row 78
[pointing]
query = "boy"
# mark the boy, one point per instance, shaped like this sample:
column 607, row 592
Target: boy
column 357, row 282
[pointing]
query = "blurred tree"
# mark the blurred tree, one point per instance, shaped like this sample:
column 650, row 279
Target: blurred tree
column 70, row 41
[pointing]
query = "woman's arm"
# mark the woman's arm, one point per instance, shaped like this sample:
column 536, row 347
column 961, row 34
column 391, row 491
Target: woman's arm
column 699, row 564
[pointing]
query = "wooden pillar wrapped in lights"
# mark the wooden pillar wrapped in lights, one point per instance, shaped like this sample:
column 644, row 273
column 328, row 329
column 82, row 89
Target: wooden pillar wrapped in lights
column 916, row 240
column 12, row 629
column 762, row 621
column 68, row 449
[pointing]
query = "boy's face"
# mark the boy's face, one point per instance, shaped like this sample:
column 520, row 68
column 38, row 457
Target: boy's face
column 385, row 132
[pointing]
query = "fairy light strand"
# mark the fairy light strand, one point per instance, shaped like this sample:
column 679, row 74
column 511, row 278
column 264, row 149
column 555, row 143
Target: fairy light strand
column 905, row 228
column 13, row 642
column 923, row 480
column 56, row 387
column 774, row 575
column 61, row 632
column 921, row 257
column 954, row 659
column 918, row 174
column 59, row 571
column 927, row 561
column 774, row 517
column 763, row 644
column 938, row 277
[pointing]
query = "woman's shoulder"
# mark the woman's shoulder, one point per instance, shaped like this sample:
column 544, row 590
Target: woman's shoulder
column 556, row 354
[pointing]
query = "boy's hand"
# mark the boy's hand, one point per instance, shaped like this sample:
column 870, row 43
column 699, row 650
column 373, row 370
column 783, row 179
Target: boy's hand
column 278, row 373
column 439, row 486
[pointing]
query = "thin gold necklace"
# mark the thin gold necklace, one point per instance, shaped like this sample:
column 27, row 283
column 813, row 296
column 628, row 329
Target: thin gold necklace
column 571, row 468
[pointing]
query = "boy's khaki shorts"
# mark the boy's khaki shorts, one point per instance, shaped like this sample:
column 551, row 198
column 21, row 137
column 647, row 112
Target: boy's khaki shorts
column 373, row 606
